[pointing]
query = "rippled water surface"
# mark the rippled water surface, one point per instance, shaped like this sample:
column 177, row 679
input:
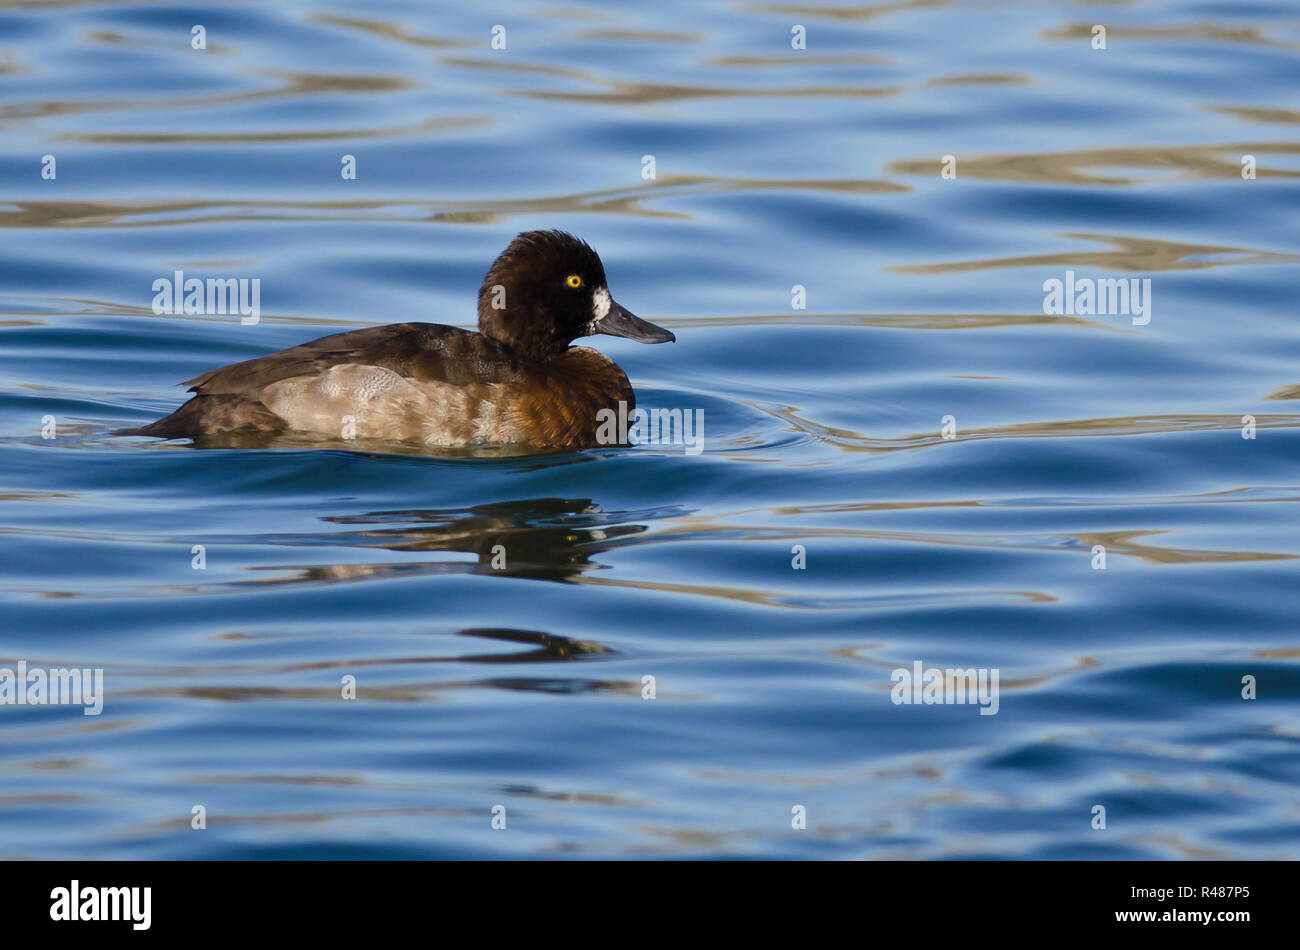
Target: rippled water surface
column 824, row 428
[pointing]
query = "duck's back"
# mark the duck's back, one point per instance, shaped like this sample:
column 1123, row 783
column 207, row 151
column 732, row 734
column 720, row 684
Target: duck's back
column 420, row 350
column 409, row 382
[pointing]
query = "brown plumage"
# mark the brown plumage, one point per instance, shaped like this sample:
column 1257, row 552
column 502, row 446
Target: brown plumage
column 518, row 382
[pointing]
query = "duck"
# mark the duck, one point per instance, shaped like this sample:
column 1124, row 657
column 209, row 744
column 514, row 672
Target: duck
column 518, row 380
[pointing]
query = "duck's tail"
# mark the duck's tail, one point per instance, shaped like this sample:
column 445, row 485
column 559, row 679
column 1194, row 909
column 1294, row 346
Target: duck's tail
column 212, row 415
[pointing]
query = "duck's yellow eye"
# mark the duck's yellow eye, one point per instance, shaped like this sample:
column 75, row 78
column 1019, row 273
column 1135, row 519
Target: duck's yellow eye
column 574, row 281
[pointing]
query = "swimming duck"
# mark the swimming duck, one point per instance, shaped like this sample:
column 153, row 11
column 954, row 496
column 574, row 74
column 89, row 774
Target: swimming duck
column 518, row 380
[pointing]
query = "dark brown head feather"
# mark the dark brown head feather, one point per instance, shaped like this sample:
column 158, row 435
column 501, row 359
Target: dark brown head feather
column 525, row 301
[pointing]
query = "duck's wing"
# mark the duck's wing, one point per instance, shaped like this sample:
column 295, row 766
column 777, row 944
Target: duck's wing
column 419, row 351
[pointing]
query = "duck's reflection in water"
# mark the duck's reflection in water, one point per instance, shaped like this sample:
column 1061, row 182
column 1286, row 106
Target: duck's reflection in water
column 546, row 647
column 553, row 539
column 427, row 676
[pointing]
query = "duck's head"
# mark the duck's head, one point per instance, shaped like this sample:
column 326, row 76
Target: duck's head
column 546, row 290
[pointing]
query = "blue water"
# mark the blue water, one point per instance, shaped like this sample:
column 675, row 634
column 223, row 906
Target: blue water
column 824, row 428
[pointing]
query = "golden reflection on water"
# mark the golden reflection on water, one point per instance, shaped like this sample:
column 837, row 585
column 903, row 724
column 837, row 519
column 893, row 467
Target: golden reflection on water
column 1077, row 544
column 114, row 38
column 835, row 11
column 805, row 58
column 1126, row 542
column 1134, row 254
column 290, row 85
column 1187, row 31
column 853, row 441
column 901, row 321
column 623, row 92
column 1192, row 162
column 430, row 126
column 1285, row 392
column 386, row 30
column 626, row 200
column 640, row 36
column 1269, row 116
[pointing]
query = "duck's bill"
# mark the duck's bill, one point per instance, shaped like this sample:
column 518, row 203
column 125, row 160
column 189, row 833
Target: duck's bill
column 623, row 322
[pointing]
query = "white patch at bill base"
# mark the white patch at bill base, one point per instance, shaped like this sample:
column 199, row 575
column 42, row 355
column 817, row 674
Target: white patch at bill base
column 600, row 304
